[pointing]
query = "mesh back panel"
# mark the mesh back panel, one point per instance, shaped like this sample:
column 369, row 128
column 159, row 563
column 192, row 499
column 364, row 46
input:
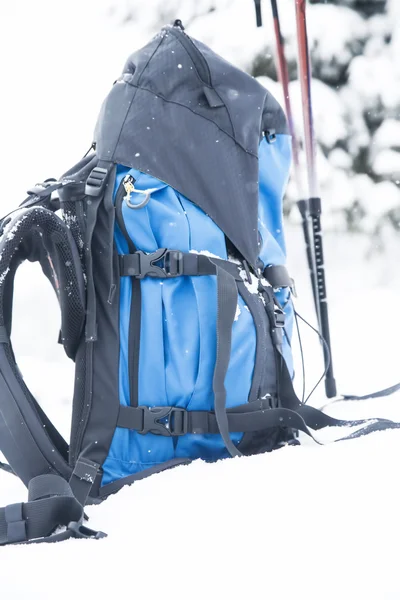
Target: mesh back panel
column 37, row 234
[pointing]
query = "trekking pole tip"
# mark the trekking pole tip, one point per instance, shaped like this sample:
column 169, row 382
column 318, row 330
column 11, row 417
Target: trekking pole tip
column 330, row 387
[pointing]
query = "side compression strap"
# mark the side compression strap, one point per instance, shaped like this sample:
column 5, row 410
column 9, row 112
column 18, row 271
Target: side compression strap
column 165, row 263
column 51, row 504
column 170, row 421
column 253, row 416
column 227, row 297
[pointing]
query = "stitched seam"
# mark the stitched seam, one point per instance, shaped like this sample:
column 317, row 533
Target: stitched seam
column 195, row 113
column 133, row 462
column 134, row 95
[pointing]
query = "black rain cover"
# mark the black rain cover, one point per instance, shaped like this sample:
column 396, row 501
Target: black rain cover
column 186, row 116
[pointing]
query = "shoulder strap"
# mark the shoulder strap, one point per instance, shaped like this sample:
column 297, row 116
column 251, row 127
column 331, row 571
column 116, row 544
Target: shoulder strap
column 28, row 440
column 51, row 504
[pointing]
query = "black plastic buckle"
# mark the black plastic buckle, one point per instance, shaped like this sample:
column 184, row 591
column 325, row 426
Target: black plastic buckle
column 277, row 330
column 172, row 264
column 79, row 531
column 167, row 421
column 279, row 317
column 96, row 181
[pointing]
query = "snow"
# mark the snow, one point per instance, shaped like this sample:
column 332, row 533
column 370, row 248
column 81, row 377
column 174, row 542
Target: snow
column 206, row 253
column 340, row 159
column 310, row 514
column 309, row 522
column 237, row 313
column 387, row 162
column 334, row 31
column 329, row 112
column 387, row 135
column 252, row 285
column 384, row 197
column 378, row 71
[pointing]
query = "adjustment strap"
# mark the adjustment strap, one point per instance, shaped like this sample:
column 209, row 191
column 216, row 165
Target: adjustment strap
column 6, row 468
column 173, row 263
column 171, row 421
column 95, row 187
column 277, row 276
column 41, row 193
column 165, row 263
column 97, row 180
column 51, row 504
column 227, row 299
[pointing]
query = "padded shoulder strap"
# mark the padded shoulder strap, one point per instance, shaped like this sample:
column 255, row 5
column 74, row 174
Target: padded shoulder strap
column 51, row 504
column 31, row 445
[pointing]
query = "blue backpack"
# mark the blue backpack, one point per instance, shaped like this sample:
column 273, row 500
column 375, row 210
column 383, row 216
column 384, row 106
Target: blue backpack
column 168, row 261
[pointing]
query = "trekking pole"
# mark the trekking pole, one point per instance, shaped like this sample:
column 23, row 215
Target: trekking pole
column 257, row 5
column 283, row 75
column 314, row 203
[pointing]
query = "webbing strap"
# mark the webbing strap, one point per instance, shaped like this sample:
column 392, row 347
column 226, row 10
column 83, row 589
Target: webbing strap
column 95, row 188
column 51, row 504
column 253, row 416
column 227, row 298
column 379, row 394
column 165, row 263
column 5, row 467
column 316, row 419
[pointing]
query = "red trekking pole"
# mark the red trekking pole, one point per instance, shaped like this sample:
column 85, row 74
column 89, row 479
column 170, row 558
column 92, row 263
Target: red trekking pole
column 314, row 202
column 302, row 204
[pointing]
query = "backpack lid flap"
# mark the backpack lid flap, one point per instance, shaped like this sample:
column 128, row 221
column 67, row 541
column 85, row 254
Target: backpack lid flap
column 186, row 116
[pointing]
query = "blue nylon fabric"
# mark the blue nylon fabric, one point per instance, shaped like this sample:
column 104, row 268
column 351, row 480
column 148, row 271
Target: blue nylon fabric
column 178, row 321
column 274, row 160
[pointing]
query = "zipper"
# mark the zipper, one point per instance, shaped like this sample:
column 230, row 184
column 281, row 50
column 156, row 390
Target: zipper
column 136, row 302
column 125, row 189
column 196, row 56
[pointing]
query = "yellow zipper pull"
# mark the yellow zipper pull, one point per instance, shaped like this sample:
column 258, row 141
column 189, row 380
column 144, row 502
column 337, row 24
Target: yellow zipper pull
column 129, row 187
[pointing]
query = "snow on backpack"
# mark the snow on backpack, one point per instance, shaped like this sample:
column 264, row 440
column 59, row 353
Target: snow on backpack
column 168, row 261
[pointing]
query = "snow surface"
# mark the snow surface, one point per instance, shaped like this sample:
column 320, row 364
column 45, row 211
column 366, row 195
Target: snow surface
column 310, row 522
column 285, row 523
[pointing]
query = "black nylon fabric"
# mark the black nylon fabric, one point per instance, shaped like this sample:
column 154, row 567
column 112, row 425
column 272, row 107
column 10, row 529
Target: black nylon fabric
column 227, row 297
column 28, row 440
column 167, row 98
column 101, row 395
column 38, row 235
column 51, row 503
